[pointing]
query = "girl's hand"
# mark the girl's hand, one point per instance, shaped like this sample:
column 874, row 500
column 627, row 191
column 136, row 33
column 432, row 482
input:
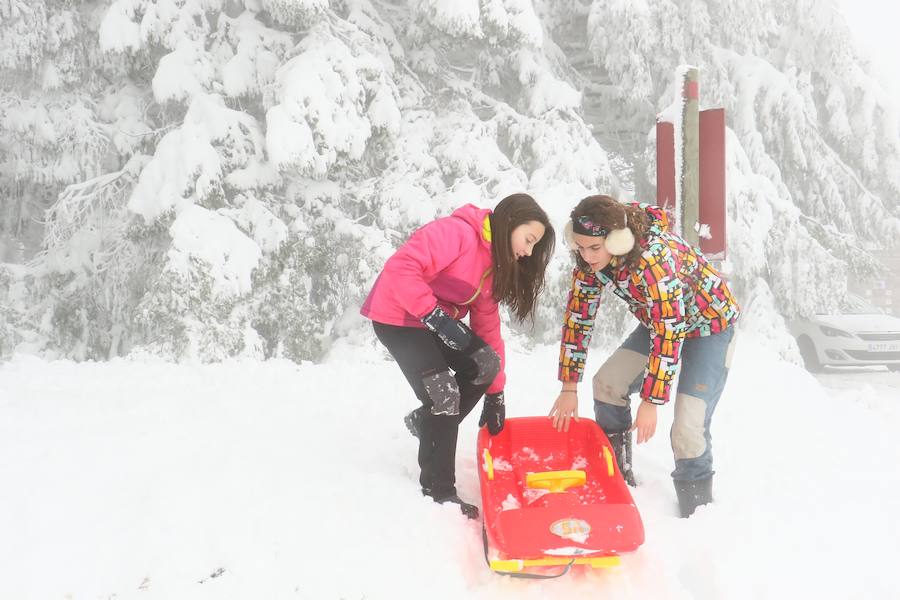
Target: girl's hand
column 645, row 422
column 564, row 409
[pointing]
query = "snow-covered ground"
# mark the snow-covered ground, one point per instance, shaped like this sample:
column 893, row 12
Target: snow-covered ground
column 272, row 480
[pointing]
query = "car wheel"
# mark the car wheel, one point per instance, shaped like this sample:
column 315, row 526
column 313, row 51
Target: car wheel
column 808, row 354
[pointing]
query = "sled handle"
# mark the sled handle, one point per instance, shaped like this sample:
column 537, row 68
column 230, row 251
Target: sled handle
column 489, row 464
column 555, row 481
column 610, row 470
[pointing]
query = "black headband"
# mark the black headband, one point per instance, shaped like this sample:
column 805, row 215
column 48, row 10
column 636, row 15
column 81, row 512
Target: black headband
column 584, row 226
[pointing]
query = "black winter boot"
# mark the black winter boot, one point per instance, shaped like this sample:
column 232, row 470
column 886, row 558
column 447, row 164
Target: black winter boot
column 413, row 421
column 469, row 510
column 621, row 445
column 692, row 494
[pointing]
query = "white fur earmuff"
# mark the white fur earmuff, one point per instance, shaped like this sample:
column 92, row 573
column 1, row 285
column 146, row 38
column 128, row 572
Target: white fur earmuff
column 619, row 242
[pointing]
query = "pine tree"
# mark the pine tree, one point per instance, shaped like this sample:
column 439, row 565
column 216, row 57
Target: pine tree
column 214, row 178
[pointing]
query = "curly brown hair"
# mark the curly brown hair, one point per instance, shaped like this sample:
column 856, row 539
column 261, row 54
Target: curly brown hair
column 610, row 213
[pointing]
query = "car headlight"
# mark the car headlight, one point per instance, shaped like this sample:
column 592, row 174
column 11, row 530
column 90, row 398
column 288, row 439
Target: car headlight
column 832, row 332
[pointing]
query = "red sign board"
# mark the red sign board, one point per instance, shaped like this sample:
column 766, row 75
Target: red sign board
column 712, row 179
column 712, row 182
column 665, row 168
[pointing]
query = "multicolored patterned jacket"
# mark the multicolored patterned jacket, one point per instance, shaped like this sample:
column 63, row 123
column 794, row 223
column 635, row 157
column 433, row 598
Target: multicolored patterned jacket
column 673, row 291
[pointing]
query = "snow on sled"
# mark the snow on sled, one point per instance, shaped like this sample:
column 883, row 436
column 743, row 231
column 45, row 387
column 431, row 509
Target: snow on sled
column 553, row 498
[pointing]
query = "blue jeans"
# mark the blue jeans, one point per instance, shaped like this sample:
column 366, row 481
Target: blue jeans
column 704, row 370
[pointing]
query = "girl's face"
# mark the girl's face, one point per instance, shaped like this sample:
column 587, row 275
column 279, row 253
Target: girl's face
column 524, row 237
column 593, row 250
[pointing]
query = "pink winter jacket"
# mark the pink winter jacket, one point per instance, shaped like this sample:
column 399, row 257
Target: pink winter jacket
column 448, row 263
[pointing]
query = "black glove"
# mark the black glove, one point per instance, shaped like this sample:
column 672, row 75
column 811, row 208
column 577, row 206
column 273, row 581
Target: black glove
column 494, row 413
column 452, row 332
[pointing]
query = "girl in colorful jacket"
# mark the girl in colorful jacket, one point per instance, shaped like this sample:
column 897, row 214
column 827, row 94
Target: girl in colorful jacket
column 467, row 263
column 687, row 315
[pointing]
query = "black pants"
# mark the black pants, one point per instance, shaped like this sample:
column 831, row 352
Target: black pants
column 424, row 360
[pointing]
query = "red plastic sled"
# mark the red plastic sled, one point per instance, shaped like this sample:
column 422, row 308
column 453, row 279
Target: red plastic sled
column 553, row 499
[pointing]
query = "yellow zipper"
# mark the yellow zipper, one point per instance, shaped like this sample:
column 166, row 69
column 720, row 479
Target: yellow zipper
column 478, row 291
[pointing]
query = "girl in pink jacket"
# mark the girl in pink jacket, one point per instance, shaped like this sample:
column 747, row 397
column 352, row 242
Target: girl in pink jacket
column 464, row 264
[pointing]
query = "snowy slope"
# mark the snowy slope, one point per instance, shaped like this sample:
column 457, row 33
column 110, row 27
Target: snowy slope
column 142, row 480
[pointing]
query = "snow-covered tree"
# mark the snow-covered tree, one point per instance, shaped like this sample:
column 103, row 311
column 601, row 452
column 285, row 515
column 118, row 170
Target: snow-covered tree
column 806, row 117
column 214, row 178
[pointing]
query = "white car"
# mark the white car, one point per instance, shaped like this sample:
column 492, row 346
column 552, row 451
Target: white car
column 860, row 335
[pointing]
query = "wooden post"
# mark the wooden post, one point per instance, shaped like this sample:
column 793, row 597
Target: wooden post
column 690, row 158
column 690, row 168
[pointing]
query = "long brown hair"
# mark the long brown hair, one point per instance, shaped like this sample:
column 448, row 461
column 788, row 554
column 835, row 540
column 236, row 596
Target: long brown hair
column 517, row 283
column 610, row 213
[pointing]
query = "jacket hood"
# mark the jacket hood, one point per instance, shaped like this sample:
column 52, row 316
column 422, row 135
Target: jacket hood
column 659, row 222
column 476, row 218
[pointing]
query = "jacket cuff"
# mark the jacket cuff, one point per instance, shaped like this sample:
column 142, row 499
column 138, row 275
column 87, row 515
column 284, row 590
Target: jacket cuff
column 498, row 384
column 569, row 375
